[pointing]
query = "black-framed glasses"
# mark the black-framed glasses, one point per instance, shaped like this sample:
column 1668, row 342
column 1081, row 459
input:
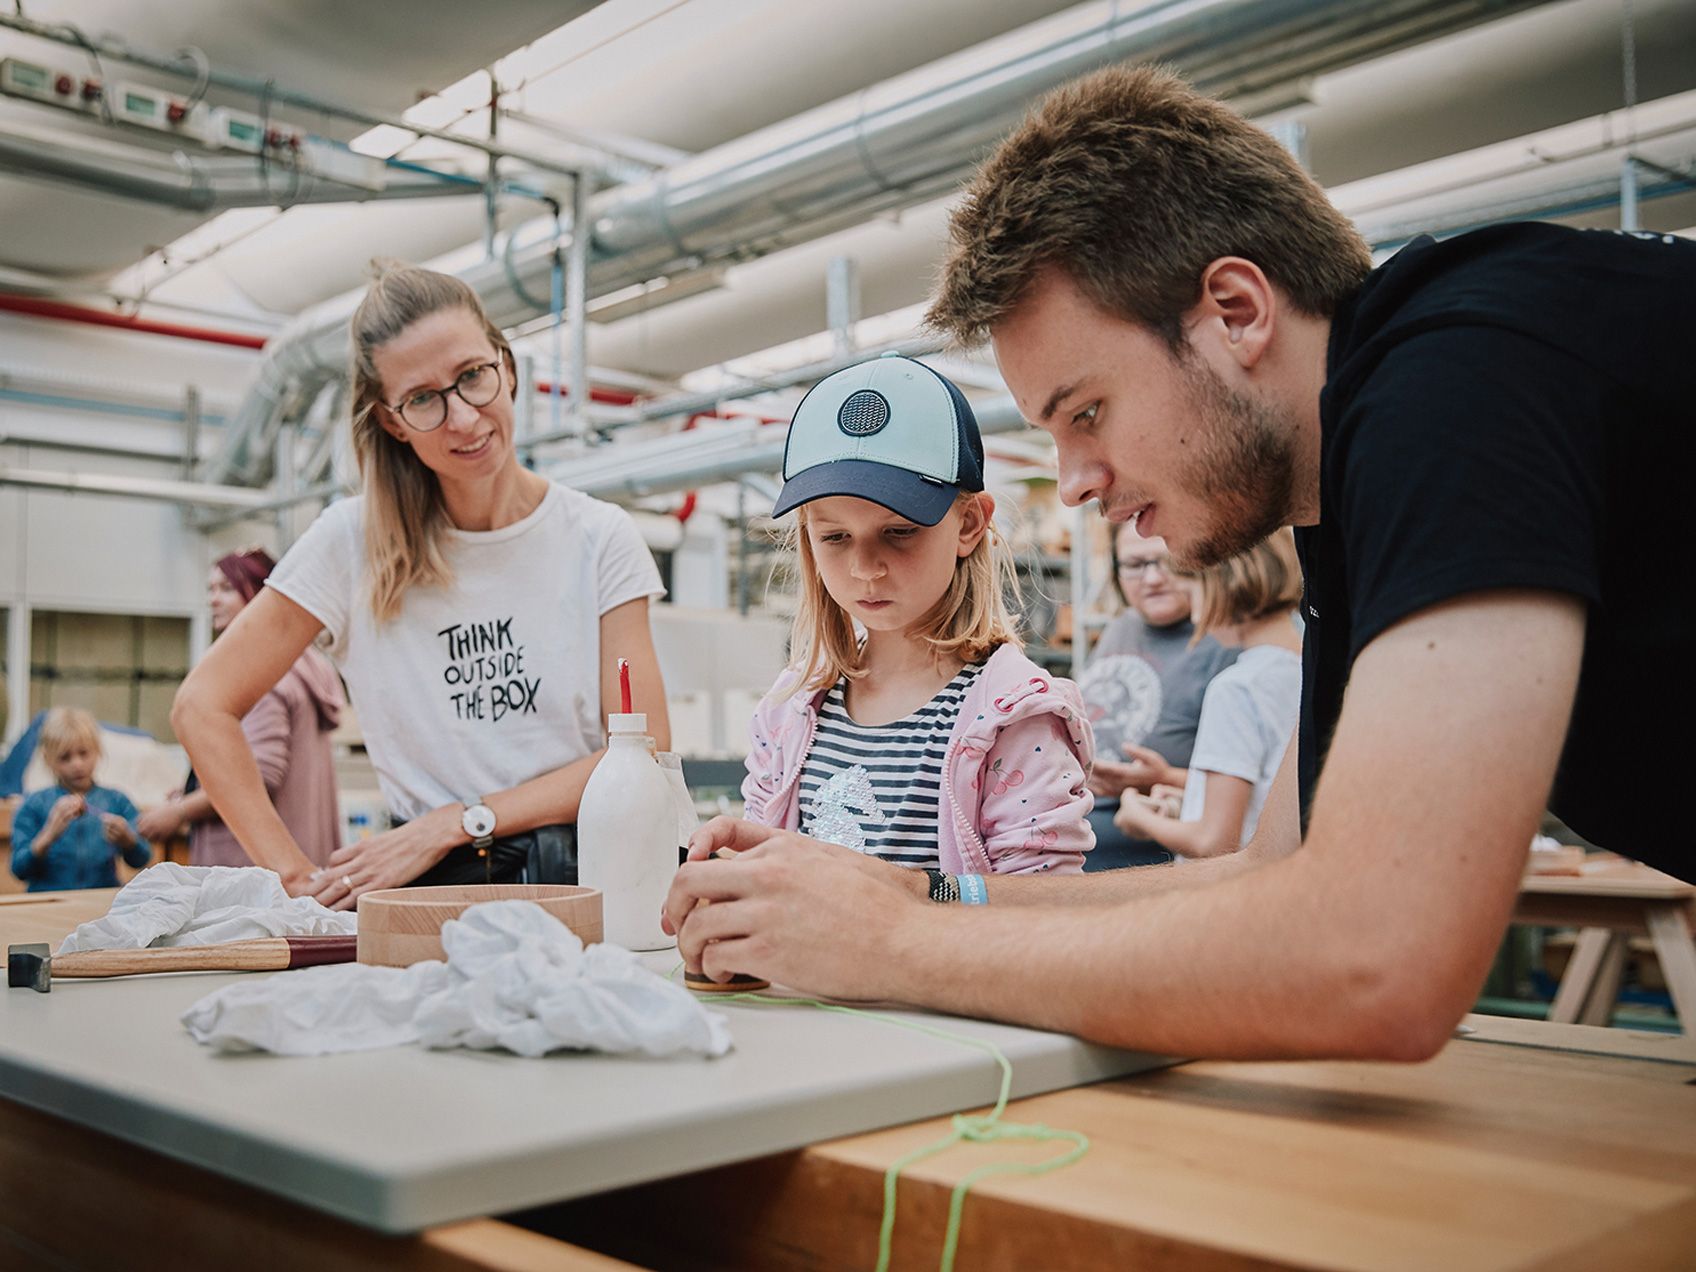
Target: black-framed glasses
column 1136, row 569
column 427, row 409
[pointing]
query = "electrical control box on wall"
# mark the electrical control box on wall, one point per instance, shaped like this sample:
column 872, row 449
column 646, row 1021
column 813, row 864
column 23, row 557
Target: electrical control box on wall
column 52, row 86
column 146, row 107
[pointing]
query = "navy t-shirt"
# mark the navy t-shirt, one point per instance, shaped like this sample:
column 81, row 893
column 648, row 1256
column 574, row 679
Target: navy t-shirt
column 1512, row 408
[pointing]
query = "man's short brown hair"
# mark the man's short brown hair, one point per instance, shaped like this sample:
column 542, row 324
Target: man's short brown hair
column 1132, row 183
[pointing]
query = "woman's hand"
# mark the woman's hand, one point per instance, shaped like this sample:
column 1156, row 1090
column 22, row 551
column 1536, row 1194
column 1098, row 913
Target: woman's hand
column 389, row 860
column 159, row 824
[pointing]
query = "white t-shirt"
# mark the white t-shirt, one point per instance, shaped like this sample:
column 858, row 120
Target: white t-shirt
column 495, row 680
column 1247, row 718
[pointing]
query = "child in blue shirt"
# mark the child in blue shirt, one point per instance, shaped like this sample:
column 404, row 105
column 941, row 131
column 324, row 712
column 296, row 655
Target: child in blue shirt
column 69, row 835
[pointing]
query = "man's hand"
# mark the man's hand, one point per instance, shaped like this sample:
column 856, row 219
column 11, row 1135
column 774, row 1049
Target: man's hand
column 789, row 909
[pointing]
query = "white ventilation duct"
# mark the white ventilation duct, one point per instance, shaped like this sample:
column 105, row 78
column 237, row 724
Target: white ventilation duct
column 891, row 146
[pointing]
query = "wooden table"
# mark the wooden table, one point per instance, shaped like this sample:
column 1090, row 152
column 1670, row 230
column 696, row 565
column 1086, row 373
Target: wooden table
column 1515, row 1148
column 1612, row 900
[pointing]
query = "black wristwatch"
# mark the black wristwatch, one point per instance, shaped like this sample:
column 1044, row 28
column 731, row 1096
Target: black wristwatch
column 943, row 887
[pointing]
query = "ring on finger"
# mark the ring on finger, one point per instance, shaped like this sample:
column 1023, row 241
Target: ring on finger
column 347, row 882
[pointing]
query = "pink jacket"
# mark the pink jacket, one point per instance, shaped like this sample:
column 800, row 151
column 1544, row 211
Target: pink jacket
column 1015, row 798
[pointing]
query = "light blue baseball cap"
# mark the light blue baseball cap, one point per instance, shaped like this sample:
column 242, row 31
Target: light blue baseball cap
column 890, row 430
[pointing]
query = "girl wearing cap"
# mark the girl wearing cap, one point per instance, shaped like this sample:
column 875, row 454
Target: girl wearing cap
column 288, row 731
column 474, row 608
column 911, row 727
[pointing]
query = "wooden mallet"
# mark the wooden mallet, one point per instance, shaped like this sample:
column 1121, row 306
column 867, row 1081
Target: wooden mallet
column 34, row 966
column 737, row 984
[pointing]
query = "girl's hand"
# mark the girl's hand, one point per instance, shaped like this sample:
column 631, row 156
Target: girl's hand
column 389, row 860
column 1137, row 815
column 117, row 831
column 66, row 809
column 1169, row 800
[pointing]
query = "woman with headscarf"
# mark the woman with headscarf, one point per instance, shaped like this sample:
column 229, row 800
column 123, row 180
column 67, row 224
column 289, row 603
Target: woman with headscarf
column 289, row 731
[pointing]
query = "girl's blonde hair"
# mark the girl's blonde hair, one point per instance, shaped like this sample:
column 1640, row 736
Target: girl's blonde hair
column 1258, row 583
column 405, row 521
column 64, row 727
column 967, row 622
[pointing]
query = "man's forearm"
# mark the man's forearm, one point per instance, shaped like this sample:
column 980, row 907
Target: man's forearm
column 1109, row 887
column 1155, row 976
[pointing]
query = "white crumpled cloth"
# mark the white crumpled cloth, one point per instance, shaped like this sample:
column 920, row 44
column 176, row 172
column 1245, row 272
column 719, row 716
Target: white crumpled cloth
column 168, row 904
column 515, row 977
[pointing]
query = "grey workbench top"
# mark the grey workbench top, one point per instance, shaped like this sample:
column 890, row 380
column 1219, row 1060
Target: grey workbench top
column 404, row 1138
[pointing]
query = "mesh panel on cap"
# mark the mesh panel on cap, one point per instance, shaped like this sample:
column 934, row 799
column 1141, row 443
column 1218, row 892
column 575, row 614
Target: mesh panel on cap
column 863, row 414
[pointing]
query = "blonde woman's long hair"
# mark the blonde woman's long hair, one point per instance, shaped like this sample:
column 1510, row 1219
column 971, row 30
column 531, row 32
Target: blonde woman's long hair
column 405, row 520
column 1263, row 581
column 967, row 622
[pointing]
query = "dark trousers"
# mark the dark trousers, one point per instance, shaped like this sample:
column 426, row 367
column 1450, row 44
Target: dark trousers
column 1115, row 850
column 547, row 854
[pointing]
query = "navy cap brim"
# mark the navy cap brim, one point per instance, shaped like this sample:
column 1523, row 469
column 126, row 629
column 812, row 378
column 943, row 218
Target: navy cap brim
column 904, row 493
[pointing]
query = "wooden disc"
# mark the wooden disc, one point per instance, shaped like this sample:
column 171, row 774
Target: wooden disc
column 738, row 984
column 402, row 926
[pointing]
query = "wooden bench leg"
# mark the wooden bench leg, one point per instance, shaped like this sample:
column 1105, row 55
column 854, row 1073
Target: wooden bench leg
column 1604, row 994
column 1580, row 974
column 1676, row 950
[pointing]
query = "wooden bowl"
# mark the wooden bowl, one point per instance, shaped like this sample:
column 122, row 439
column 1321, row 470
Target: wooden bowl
column 402, row 926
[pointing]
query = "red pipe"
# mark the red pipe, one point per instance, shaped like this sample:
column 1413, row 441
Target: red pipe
column 606, row 397
column 36, row 307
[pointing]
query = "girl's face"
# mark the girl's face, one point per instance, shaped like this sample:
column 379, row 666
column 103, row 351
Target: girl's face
column 882, row 569
column 73, row 768
column 439, row 352
column 222, row 599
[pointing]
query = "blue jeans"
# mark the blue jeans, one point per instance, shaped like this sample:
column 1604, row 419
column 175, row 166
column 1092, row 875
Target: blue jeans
column 1114, row 850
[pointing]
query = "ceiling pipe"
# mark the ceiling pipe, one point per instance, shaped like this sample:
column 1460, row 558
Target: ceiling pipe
column 203, row 184
column 36, row 307
column 191, row 493
column 893, row 145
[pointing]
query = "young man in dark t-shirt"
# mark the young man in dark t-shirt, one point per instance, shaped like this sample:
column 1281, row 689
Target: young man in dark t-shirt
column 1480, row 446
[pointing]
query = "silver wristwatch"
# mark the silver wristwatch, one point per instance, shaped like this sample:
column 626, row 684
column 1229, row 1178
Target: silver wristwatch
column 478, row 821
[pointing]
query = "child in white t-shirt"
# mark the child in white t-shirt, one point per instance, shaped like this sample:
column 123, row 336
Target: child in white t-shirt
column 1248, row 714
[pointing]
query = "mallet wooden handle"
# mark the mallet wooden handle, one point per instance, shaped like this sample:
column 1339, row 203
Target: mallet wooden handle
column 267, row 954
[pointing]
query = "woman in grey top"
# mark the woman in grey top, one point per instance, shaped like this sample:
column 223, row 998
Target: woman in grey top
column 1143, row 688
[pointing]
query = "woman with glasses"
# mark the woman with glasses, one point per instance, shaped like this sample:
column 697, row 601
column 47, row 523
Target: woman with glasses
column 475, row 609
column 1143, row 687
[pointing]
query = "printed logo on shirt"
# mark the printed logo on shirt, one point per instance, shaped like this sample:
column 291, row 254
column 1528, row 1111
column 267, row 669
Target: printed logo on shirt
column 485, row 671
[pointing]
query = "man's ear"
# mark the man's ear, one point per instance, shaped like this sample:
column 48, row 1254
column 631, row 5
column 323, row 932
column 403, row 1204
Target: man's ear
column 1237, row 312
column 974, row 522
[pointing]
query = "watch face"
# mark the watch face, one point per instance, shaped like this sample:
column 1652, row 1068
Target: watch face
column 479, row 820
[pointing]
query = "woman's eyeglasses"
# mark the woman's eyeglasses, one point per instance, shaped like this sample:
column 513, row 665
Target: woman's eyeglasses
column 426, row 409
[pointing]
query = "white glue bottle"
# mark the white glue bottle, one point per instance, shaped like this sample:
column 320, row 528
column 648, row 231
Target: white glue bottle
column 627, row 836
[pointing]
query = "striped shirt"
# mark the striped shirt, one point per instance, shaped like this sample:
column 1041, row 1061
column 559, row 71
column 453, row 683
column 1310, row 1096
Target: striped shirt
column 877, row 788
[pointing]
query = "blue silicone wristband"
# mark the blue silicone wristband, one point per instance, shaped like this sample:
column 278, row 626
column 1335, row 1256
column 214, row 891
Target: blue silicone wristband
column 972, row 890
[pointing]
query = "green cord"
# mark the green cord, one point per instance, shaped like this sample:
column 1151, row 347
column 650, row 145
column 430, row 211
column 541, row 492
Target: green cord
column 979, row 1130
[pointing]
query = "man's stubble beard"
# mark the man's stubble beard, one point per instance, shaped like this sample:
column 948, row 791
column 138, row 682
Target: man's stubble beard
column 1242, row 468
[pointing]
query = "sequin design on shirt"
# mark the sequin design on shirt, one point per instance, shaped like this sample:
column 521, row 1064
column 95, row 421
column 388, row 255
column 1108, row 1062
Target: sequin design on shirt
column 877, row 788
